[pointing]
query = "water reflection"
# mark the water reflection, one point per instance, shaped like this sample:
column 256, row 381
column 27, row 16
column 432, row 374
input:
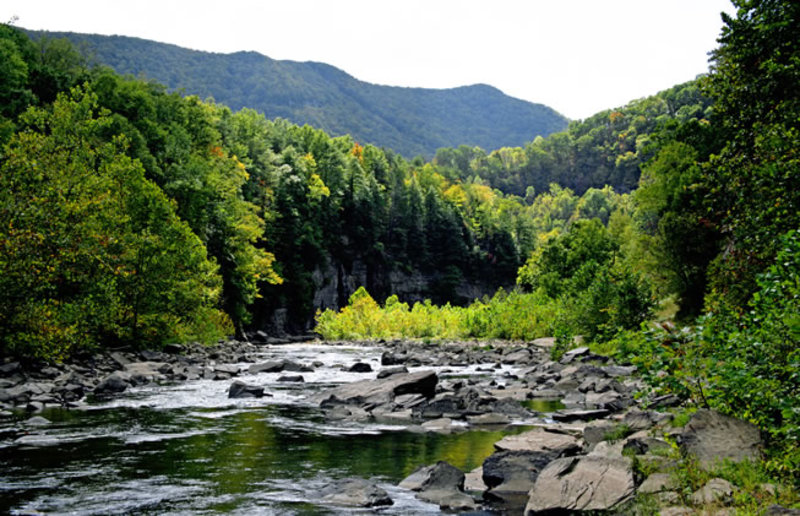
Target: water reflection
column 195, row 460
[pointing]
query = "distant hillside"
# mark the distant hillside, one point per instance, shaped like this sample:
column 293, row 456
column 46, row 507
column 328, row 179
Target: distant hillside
column 411, row 121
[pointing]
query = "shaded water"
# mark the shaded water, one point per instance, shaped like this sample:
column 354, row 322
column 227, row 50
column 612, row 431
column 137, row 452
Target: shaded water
column 187, row 449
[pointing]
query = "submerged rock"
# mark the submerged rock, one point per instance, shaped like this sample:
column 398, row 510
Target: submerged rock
column 355, row 492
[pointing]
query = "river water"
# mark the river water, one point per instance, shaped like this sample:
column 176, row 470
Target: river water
column 188, row 449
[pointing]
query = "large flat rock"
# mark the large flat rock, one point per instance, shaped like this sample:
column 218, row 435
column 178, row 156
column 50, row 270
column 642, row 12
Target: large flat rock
column 383, row 390
column 539, row 440
column 589, row 483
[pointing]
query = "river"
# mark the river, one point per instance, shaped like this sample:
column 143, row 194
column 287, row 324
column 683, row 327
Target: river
column 189, row 449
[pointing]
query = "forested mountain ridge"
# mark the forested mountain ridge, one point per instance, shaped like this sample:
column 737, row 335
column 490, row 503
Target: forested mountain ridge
column 411, row 121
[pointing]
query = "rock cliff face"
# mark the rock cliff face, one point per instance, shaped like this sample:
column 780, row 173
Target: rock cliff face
column 334, row 283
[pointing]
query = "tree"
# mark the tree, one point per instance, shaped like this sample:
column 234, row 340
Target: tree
column 91, row 251
column 754, row 182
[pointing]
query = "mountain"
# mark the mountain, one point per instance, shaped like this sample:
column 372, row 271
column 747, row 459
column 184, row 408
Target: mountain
column 411, row 121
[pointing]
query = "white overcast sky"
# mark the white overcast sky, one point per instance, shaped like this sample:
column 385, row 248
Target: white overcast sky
column 576, row 56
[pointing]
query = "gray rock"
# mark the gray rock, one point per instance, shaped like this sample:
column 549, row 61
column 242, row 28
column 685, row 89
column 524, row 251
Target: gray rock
column 598, row 430
column 514, row 471
column 645, row 444
column 657, row 483
column 644, row 419
column 355, row 492
column 9, row 368
column 239, row 389
column 473, row 481
column 360, row 367
column 582, row 484
column 440, row 476
column 228, row 369
column 441, row 484
column 579, row 414
column 381, row 391
column 37, row 421
column 442, row 425
column 116, row 382
column 346, row 413
column 389, row 371
column 777, row 510
column 715, row 490
column 449, row 500
column 295, row 367
column 267, row 367
column 489, row 419
column 540, row 441
column 713, row 437
column 292, row 378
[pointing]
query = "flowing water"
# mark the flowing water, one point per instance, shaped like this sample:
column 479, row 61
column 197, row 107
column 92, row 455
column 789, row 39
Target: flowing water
column 188, row 449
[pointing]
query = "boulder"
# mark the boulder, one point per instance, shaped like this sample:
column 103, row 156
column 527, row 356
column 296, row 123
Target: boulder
column 355, row 492
column 441, row 475
column 114, row 383
column 514, row 471
column 716, row 490
column 292, row 378
column 589, row 483
column 541, row 441
column 473, row 481
column 442, row 484
column 144, row 372
column 239, row 389
column 657, row 483
column 381, row 391
column 713, row 437
column 598, row 431
column 360, row 367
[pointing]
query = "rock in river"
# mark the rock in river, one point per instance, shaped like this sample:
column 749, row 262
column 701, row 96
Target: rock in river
column 355, row 492
column 239, row 389
column 442, row 484
column 376, row 392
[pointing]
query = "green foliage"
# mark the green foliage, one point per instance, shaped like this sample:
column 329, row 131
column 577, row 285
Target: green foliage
column 506, row 316
column 754, row 181
column 91, row 250
column 605, row 149
column 742, row 363
column 598, row 296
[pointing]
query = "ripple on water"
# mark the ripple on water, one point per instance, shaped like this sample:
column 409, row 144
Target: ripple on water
column 189, row 449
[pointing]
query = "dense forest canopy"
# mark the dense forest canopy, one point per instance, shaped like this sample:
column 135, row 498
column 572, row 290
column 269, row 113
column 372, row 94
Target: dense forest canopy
column 410, row 121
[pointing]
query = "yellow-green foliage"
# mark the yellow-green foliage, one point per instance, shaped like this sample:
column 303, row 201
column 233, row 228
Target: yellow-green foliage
column 506, row 316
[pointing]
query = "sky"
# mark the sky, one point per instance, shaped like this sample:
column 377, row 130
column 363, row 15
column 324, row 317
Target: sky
column 576, row 56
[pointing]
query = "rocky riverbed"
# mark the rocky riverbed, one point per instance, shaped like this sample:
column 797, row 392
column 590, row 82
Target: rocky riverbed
column 566, row 435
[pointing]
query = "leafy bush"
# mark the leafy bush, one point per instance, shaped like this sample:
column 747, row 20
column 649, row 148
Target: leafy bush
column 746, row 364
